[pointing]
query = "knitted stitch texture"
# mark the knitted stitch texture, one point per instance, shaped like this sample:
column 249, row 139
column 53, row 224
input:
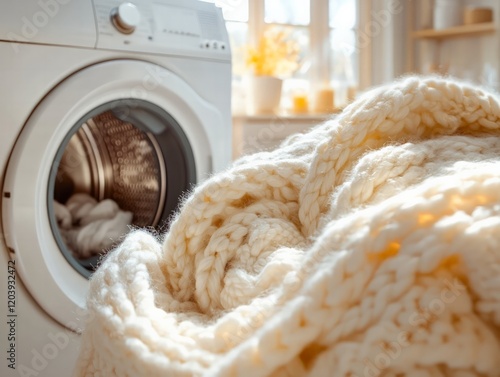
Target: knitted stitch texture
column 368, row 246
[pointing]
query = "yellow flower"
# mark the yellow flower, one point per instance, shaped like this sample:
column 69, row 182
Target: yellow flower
column 275, row 55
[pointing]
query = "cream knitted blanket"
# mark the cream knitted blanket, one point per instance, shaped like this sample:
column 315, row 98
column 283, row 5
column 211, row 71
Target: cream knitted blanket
column 368, row 247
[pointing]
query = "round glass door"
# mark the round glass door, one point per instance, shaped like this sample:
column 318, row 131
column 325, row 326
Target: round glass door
column 100, row 154
column 123, row 165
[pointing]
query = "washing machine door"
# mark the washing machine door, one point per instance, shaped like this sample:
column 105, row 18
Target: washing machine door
column 113, row 146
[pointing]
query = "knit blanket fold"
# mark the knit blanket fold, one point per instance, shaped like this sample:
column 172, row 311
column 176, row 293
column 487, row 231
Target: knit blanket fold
column 369, row 246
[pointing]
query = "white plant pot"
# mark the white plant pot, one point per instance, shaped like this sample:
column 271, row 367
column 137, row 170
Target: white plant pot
column 264, row 94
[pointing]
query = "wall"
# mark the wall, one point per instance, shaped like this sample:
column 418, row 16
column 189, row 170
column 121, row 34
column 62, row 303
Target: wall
column 474, row 58
column 394, row 52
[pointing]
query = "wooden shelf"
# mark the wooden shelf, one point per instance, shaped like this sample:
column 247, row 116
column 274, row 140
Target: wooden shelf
column 457, row 31
column 319, row 117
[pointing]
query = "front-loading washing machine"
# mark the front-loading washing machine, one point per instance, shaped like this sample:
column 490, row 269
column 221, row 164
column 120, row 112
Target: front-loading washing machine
column 114, row 102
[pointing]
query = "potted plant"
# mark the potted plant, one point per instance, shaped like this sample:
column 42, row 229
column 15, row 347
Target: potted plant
column 275, row 57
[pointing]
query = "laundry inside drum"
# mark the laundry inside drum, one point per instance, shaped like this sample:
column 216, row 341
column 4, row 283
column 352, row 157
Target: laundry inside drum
column 111, row 176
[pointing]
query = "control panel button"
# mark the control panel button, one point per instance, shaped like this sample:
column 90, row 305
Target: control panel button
column 126, row 17
column 213, row 45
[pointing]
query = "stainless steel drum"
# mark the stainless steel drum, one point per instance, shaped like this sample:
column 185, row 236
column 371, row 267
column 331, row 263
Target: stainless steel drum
column 110, row 158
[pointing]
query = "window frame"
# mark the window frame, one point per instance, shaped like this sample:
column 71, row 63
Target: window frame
column 319, row 30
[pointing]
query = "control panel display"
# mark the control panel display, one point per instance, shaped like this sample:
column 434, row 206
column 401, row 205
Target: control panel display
column 171, row 20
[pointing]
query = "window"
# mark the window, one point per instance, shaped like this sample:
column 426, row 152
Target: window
column 344, row 60
column 325, row 31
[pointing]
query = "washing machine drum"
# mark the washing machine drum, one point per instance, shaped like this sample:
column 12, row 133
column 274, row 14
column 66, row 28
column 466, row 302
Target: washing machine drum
column 124, row 165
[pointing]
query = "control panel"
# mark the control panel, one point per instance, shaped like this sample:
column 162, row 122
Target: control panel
column 185, row 27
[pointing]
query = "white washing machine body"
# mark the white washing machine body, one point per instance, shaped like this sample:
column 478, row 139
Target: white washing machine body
column 162, row 66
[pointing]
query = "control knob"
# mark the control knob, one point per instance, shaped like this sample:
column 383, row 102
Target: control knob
column 125, row 17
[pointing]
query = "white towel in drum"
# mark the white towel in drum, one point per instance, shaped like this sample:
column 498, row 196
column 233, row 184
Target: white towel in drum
column 90, row 227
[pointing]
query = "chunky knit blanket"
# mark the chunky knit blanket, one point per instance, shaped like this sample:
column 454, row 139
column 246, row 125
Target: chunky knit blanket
column 369, row 246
